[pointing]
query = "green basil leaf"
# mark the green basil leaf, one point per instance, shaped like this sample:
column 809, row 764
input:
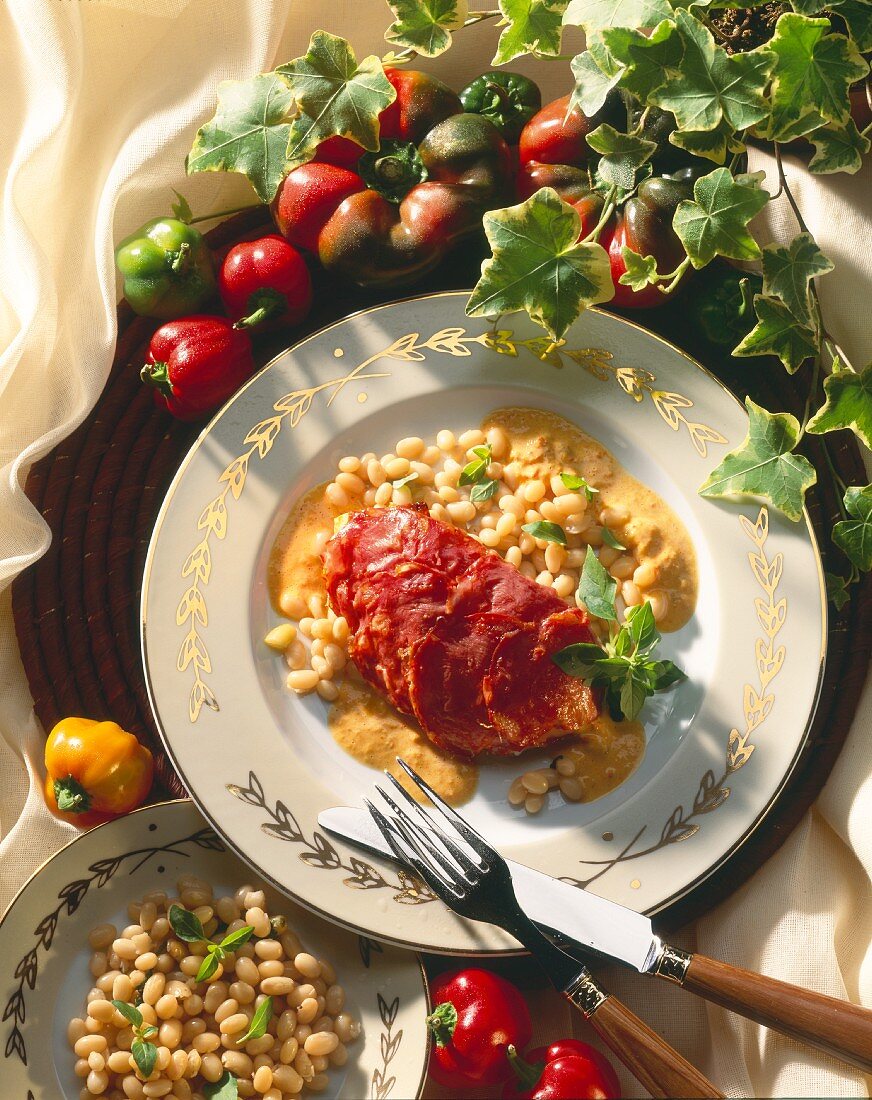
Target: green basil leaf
column 209, row 965
column 145, row 1056
column 249, row 133
column 854, row 536
column 715, row 221
column 224, row 1088
column 577, row 484
column 839, row 147
column 130, row 1013
column 597, row 589
column 538, row 265
column 634, row 692
column 476, row 470
column 237, row 938
column 401, row 481
column 147, row 1032
column 665, row 674
column 764, row 465
column 610, row 540
column 186, row 925
column 546, row 530
column 848, row 405
column 622, row 644
column 778, row 332
column 425, row 26
column 335, row 95
column 259, row 1022
column 584, row 660
column 532, row 26
column 484, row 490
column 642, row 627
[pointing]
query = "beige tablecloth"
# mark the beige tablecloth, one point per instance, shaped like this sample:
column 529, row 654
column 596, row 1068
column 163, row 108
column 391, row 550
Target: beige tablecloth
column 101, row 101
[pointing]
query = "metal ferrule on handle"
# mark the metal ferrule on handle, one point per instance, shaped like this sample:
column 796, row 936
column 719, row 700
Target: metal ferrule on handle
column 671, row 963
column 585, row 994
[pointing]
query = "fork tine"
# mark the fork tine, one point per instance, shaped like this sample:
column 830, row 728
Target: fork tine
column 473, row 838
column 471, row 862
column 411, row 855
column 465, row 865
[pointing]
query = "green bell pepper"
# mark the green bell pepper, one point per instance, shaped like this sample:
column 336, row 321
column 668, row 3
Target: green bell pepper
column 167, row 269
column 509, row 100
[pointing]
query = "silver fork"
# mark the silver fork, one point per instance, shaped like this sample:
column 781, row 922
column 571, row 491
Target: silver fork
column 474, row 881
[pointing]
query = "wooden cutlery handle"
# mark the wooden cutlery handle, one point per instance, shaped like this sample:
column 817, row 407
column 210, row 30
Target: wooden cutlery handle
column 837, row 1027
column 649, row 1058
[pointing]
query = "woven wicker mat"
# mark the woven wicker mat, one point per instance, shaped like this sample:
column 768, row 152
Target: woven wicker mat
column 77, row 610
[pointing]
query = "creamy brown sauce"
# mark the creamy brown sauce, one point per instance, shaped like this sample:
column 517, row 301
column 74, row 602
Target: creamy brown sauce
column 542, row 444
column 371, row 731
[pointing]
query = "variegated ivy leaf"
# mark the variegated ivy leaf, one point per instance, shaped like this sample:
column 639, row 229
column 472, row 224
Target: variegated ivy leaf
column 641, row 271
column 856, row 13
column 596, row 72
column 622, row 155
column 713, row 145
column 249, row 133
column 648, row 60
column 336, row 95
column 764, row 465
column 539, row 266
column 812, row 67
column 839, row 147
column 848, row 404
column 788, row 272
column 778, row 332
column 532, row 26
column 715, row 221
column 711, row 85
column 425, row 25
column 854, row 536
column 598, row 15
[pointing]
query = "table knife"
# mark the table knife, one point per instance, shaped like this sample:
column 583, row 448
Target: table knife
column 585, row 923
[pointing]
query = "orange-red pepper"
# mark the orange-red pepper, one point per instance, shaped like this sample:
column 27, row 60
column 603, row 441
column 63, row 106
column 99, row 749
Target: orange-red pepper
column 95, row 771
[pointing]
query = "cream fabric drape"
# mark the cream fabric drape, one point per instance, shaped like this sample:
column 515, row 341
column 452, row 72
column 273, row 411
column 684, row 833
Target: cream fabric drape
column 101, row 101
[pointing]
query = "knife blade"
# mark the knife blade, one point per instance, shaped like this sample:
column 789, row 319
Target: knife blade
column 597, row 924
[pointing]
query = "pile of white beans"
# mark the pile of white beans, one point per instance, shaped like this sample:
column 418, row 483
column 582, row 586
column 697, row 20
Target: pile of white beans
column 369, row 481
column 199, row 1023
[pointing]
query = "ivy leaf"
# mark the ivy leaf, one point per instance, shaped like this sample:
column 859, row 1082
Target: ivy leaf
column 812, row 67
column 838, row 148
column 597, row 588
column 425, row 25
column 598, row 15
column 622, row 155
column 711, row 144
column 848, row 405
column 538, row 266
column 181, row 208
column 249, row 133
column 225, row 1088
column 648, row 60
column 596, row 72
column 710, row 85
column 854, row 536
column 532, row 26
column 778, row 332
column 336, row 95
column 838, row 590
column 858, row 15
column 787, row 273
column 714, row 222
column 763, row 466
column 641, row 270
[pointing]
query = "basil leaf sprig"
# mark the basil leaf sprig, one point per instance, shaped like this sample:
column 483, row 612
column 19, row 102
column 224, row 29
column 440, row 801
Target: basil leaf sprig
column 259, row 1022
column 225, row 1088
column 187, row 926
column 475, row 472
column 546, row 530
column 143, row 1050
column 575, row 483
column 625, row 666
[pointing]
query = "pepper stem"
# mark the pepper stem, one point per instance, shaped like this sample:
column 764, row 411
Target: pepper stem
column 526, row 1072
column 182, row 259
column 442, row 1021
column 71, row 796
column 263, row 304
column 157, row 375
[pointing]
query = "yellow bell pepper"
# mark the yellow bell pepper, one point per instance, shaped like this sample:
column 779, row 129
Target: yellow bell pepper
column 95, row 771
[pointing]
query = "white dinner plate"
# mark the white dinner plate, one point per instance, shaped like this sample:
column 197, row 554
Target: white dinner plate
column 44, row 956
column 261, row 763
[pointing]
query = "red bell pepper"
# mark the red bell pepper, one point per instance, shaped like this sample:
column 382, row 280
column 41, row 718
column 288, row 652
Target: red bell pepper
column 477, row 1016
column 196, row 363
column 390, row 216
column 565, row 1070
column 265, row 283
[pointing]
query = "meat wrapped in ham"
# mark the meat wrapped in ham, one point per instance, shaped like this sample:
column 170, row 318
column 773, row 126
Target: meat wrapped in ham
column 453, row 635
